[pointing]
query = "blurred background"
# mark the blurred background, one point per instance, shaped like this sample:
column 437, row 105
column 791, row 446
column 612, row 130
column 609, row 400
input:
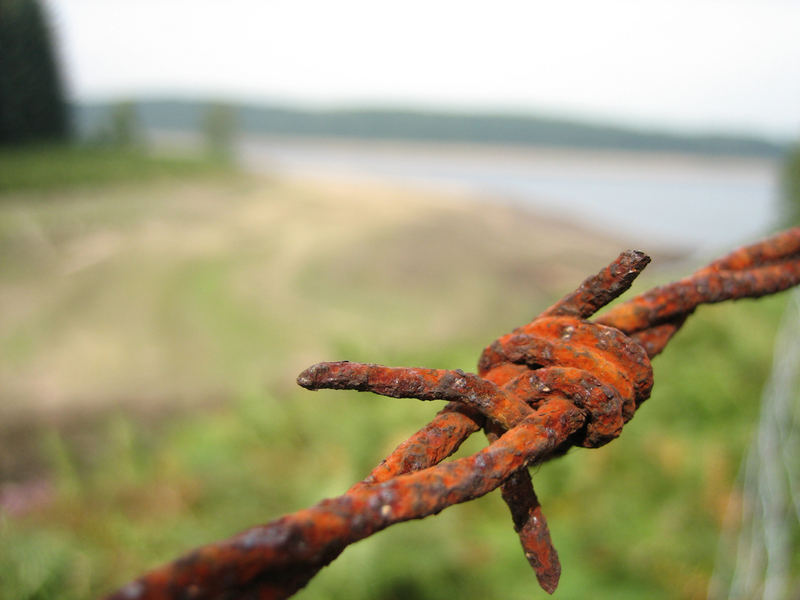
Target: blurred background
column 200, row 199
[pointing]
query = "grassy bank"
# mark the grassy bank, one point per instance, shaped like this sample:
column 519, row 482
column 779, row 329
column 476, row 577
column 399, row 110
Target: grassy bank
column 149, row 340
column 57, row 167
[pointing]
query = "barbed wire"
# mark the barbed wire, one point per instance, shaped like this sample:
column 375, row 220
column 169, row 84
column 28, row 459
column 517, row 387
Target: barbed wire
column 557, row 382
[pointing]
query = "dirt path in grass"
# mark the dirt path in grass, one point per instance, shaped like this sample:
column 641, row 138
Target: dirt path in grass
column 170, row 294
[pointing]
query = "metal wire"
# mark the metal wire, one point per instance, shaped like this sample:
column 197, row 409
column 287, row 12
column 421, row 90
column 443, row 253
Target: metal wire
column 557, row 382
column 755, row 553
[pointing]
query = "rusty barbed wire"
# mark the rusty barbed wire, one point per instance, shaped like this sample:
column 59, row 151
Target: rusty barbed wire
column 557, row 382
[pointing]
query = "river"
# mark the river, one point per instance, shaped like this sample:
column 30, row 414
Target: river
column 701, row 204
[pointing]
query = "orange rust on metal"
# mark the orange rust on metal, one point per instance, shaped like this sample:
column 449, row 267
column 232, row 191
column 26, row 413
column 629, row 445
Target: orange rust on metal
column 652, row 318
column 557, row 382
column 531, row 526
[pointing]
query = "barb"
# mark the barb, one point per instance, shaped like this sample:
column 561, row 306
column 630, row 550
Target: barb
column 557, row 382
column 652, row 318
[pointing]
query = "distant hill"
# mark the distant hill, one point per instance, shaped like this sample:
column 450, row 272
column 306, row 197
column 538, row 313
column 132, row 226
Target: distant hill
column 429, row 126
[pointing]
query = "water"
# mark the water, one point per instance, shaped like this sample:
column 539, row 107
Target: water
column 697, row 203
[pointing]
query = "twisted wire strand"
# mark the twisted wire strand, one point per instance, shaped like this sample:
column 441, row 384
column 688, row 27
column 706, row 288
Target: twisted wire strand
column 529, row 411
column 763, row 268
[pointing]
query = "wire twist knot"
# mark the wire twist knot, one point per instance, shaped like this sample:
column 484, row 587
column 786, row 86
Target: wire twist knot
column 599, row 369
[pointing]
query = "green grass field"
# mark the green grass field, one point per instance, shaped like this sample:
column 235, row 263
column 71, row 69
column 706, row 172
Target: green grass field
column 151, row 332
column 58, row 167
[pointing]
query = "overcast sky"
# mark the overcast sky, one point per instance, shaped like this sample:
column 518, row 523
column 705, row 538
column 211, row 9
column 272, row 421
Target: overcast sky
column 690, row 64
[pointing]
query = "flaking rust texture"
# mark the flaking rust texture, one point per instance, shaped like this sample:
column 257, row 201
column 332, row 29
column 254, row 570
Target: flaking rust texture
column 557, row 382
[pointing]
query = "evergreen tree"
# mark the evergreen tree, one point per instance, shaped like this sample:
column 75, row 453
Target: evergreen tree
column 219, row 128
column 125, row 130
column 32, row 105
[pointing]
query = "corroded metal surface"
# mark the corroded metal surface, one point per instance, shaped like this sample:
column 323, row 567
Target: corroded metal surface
column 557, row 382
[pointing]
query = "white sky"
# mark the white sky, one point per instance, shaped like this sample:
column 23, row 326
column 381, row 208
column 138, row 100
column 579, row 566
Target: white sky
column 690, row 64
